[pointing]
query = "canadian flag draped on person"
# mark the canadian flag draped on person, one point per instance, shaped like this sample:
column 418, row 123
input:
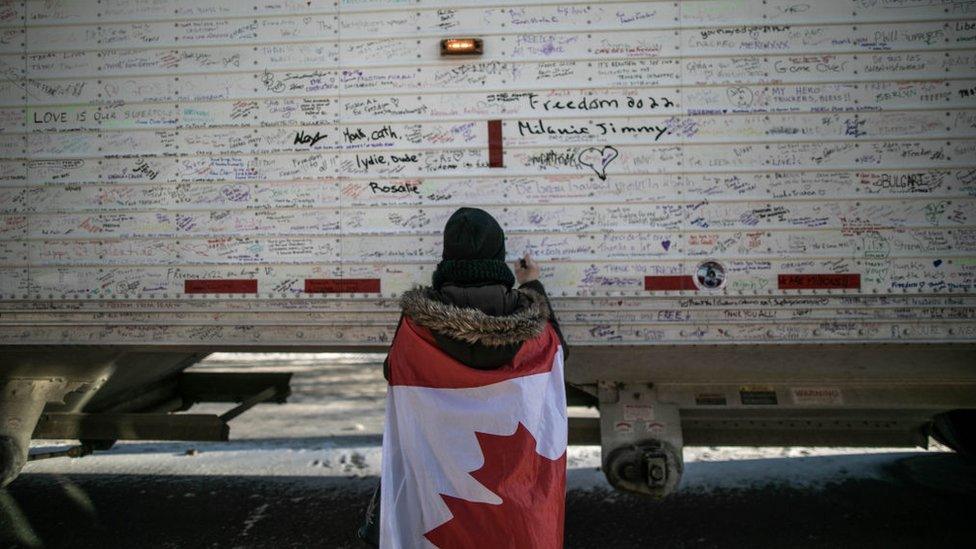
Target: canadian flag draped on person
column 473, row 458
column 474, row 446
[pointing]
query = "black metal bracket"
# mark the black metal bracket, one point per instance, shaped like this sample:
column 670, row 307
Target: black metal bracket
column 197, row 387
column 247, row 389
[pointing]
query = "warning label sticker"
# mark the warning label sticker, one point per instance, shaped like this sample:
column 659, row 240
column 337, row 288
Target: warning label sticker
column 638, row 412
column 710, row 399
column 817, row 396
column 764, row 396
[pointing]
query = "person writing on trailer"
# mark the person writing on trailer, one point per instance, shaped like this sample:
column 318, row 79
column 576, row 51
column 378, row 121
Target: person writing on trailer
column 474, row 447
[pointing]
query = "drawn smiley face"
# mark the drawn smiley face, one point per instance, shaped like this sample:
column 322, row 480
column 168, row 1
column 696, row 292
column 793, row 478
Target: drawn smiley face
column 740, row 96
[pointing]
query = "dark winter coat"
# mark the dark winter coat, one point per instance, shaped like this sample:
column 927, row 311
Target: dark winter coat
column 481, row 326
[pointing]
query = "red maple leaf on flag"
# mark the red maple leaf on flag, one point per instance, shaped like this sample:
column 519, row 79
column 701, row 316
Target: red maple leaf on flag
column 532, row 488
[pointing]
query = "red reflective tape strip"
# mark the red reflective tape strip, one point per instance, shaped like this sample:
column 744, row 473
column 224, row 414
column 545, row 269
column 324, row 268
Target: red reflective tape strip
column 667, row 283
column 495, row 153
column 342, row 285
column 846, row 281
column 220, row 286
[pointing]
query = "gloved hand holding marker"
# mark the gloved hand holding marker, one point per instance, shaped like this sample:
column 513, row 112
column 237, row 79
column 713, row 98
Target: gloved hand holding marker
column 526, row 269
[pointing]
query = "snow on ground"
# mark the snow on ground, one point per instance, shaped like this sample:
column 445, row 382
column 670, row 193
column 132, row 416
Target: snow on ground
column 332, row 423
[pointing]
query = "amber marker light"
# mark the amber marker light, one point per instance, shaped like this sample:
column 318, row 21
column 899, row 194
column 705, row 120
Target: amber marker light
column 461, row 46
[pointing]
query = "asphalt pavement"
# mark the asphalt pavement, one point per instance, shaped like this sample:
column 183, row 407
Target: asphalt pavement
column 923, row 500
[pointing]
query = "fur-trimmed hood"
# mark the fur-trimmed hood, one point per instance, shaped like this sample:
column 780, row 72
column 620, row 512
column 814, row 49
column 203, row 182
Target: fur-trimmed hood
column 470, row 325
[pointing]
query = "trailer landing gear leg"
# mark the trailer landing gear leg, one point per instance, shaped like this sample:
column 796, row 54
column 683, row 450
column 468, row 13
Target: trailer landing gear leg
column 21, row 404
column 10, row 460
column 640, row 438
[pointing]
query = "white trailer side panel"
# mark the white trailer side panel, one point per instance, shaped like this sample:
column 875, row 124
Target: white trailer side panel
column 237, row 173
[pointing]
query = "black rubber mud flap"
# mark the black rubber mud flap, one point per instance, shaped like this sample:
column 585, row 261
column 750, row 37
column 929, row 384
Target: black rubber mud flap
column 957, row 430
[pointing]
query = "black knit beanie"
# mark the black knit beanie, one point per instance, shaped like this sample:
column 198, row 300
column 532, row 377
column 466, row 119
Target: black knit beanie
column 474, row 251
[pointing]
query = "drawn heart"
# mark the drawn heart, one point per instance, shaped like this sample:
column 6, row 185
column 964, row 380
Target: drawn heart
column 666, row 244
column 597, row 159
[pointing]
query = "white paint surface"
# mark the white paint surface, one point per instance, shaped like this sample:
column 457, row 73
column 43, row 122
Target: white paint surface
column 146, row 144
